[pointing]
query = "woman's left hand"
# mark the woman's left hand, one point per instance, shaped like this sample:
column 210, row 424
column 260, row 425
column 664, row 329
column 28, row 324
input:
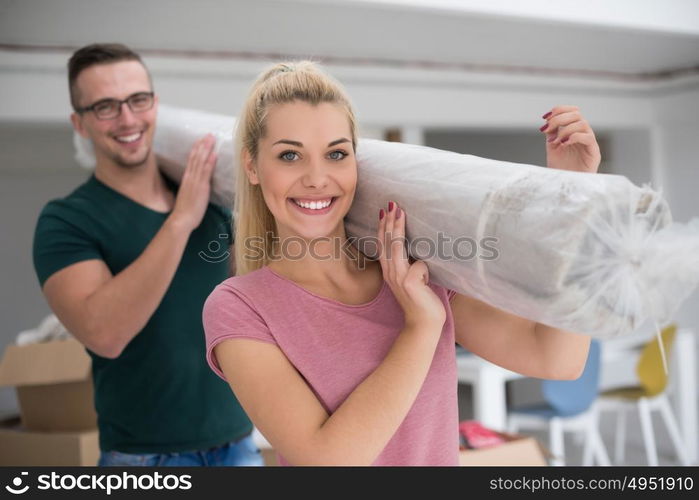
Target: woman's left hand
column 570, row 141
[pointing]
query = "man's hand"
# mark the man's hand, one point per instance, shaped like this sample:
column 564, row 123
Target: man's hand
column 193, row 194
column 570, row 141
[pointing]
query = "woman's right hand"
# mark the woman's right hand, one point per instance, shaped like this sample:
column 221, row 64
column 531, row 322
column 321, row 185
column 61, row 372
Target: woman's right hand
column 421, row 306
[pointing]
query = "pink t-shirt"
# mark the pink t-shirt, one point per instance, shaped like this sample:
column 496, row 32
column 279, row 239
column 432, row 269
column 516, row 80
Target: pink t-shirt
column 335, row 346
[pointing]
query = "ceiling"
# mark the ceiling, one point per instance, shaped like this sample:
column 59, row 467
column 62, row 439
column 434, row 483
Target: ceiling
column 498, row 36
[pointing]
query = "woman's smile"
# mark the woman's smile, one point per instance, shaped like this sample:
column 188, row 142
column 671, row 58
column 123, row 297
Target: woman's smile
column 315, row 206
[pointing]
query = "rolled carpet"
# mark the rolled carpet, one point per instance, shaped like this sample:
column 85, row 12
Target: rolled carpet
column 589, row 253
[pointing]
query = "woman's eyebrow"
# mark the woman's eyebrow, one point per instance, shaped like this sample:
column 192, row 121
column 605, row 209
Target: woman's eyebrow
column 287, row 141
column 300, row 145
column 338, row 141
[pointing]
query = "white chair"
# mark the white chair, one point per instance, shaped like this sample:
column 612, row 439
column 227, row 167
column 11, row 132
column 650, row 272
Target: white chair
column 569, row 406
column 648, row 396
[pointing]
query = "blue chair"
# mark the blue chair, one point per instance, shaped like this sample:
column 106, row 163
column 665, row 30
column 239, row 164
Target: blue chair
column 569, row 405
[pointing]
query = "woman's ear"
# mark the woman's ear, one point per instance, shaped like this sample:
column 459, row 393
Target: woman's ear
column 250, row 168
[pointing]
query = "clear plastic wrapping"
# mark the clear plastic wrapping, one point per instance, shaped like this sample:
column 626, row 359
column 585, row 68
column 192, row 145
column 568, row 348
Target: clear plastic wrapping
column 590, row 253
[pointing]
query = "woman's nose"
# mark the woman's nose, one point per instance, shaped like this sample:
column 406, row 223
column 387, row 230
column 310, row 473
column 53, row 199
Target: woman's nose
column 316, row 175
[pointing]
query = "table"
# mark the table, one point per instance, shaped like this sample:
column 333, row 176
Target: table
column 488, row 382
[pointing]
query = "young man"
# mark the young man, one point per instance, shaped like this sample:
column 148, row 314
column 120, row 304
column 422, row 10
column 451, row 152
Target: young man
column 125, row 262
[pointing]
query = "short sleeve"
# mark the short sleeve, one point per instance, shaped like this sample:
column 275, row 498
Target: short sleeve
column 228, row 314
column 446, row 293
column 58, row 243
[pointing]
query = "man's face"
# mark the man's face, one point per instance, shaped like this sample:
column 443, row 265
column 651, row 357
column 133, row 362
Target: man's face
column 127, row 139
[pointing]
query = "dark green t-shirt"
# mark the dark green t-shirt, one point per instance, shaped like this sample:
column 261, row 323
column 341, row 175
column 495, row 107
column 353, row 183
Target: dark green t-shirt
column 159, row 395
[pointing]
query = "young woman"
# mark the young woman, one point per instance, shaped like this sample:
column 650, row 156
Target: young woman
column 338, row 359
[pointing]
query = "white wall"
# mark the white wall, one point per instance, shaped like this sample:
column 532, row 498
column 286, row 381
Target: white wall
column 677, row 116
column 36, row 165
column 677, row 119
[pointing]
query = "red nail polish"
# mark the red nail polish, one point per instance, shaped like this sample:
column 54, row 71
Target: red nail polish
column 544, row 127
column 565, row 140
column 547, row 115
column 398, row 212
column 390, row 206
column 381, row 214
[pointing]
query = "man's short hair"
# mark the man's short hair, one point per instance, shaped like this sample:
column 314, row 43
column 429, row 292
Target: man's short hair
column 96, row 53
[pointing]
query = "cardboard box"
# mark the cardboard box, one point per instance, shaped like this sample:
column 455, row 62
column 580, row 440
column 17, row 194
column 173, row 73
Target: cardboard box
column 516, row 450
column 54, row 385
column 19, row 447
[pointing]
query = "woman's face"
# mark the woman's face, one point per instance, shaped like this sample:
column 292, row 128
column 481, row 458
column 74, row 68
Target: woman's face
column 306, row 168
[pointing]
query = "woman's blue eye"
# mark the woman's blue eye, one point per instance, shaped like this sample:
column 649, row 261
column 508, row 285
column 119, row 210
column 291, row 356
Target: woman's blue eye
column 337, row 155
column 288, row 155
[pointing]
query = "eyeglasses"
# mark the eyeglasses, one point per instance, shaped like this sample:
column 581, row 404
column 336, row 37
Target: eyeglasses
column 108, row 109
